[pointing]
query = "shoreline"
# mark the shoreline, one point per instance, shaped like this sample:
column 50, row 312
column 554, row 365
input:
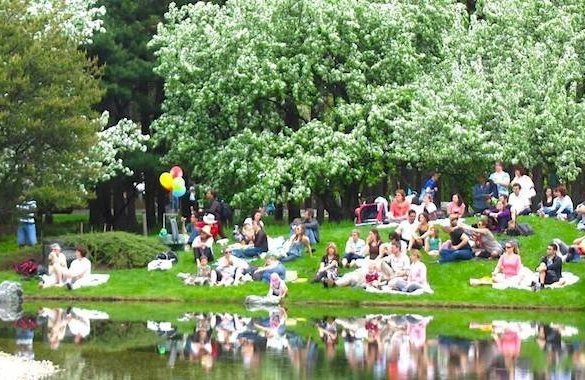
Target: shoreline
column 401, row 304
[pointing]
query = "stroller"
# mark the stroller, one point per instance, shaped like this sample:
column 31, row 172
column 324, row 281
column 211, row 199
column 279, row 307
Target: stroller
column 371, row 212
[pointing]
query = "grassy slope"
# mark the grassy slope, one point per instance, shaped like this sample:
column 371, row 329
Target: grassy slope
column 450, row 281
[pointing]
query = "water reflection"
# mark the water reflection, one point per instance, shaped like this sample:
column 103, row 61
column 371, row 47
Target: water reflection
column 268, row 342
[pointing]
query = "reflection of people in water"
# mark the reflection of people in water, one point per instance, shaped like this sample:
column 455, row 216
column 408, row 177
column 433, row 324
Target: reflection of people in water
column 25, row 333
column 327, row 329
column 509, row 344
column 79, row 325
column 56, row 325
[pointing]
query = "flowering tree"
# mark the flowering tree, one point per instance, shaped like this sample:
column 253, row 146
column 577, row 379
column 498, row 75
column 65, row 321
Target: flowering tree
column 269, row 99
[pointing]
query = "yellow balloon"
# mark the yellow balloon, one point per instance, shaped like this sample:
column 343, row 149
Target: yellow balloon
column 166, row 180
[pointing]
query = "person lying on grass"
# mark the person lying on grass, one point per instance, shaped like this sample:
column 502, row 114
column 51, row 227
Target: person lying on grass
column 271, row 266
column 390, row 254
column 328, row 273
column 573, row 252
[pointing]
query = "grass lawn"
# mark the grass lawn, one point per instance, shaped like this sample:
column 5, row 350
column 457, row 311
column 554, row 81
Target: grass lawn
column 449, row 281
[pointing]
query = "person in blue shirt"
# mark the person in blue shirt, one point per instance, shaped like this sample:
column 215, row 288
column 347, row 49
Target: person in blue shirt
column 481, row 195
column 430, row 187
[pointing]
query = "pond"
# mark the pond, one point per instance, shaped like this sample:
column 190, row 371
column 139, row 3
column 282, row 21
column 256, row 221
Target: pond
column 173, row 342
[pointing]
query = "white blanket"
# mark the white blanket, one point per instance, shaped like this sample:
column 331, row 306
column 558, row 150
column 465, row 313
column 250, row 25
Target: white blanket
column 388, row 290
column 567, row 279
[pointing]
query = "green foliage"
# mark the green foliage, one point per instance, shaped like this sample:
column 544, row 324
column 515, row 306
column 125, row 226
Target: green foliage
column 274, row 96
column 47, row 123
column 116, row 250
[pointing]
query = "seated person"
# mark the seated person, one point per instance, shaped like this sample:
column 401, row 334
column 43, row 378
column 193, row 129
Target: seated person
column 509, row 265
column 417, row 275
column 57, row 265
column 277, row 290
column 190, row 229
column 209, row 220
column 486, row 246
column 328, row 268
column 562, row 204
column 204, row 274
column 399, row 207
column 519, row 204
column 526, row 184
column 417, row 240
column 79, row 270
column 373, row 277
column 255, row 219
column 230, row 269
column 456, row 207
column 271, row 265
column 547, row 201
column 202, row 245
column 481, row 195
column 570, row 253
column 406, row 229
column 500, row 216
column 395, row 263
column 298, row 242
column 255, row 242
column 427, row 206
column 459, row 243
column 311, row 226
column 353, row 248
column 549, row 269
column 433, row 241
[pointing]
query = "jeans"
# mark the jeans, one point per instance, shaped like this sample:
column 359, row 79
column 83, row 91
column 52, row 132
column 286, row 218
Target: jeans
column 265, row 275
column 247, row 252
column 26, row 234
column 447, row 255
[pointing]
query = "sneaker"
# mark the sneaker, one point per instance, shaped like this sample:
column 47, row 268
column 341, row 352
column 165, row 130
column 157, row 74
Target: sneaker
column 68, row 286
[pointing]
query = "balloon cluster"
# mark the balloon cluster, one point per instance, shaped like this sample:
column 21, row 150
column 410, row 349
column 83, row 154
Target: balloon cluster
column 173, row 181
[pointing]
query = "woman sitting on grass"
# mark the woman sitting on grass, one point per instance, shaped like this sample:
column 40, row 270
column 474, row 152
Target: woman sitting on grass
column 433, row 241
column 509, row 265
column 417, row 275
column 57, row 265
column 298, row 242
column 399, row 207
column 417, row 240
column 328, row 273
column 456, row 207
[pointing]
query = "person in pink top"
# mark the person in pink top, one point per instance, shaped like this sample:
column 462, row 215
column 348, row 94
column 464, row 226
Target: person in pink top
column 509, row 265
column 417, row 275
column 456, row 206
column 399, row 207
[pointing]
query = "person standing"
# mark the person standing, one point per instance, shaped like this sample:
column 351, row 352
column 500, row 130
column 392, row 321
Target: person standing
column 26, row 233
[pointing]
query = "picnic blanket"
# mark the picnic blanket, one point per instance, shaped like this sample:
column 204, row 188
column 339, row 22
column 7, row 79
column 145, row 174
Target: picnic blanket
column 527, row 278
column 388, row 290
column 93, row 279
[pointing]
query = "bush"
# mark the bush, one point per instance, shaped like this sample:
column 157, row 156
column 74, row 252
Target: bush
column 117, row 250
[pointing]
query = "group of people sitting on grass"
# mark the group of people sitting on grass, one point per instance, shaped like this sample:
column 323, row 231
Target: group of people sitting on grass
column 59, row 274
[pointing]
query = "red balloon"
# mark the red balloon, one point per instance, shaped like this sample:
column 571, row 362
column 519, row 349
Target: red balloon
column 176, row 172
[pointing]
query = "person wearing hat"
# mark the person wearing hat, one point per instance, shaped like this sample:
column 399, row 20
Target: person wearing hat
column 202, row 245
column 211, row 221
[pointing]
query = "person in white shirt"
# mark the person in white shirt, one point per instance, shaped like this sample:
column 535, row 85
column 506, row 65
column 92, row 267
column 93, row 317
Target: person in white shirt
column 406, row 229
column 526, row 184
column 79, row 270
column 500, row 178
column 519, row 203
column 396, row 264
column 353, row 249
column 562, row 204
column 230, row 268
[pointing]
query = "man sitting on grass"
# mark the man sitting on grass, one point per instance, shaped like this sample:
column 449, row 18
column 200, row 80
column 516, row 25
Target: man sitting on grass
column 549, row 269
column 459, row 243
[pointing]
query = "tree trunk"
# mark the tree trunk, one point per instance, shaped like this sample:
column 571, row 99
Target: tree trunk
column 332, row 207
column 100, row 207
column 150, row 186
column 294, row 211
column 349, row 200
column 279, row 212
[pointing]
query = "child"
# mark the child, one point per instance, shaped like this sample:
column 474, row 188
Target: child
column 205, row 275
column 276, row 292
column 373, row 276
column 433, row 242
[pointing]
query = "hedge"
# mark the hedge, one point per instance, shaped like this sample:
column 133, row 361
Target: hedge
column 116, row 250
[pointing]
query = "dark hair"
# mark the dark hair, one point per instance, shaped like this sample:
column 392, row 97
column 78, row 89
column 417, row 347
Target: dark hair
column 459, row 199
column 520, row 169
column 517, row 185
column 424, row 215
column 213, row 193
column 376, row 233
column 81, row 250
column 562, row 189
column 410, row 212
column 396, row 243
column 554, row 246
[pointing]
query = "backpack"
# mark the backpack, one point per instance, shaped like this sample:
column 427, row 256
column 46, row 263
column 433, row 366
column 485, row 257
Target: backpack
column 226, row 212
column 169, row 255
column 522, row 229
column 27, row 268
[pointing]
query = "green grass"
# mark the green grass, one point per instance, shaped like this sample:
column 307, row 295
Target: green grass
column 450, row 281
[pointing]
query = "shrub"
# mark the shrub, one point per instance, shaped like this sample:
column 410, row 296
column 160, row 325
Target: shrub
column 117, row 250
